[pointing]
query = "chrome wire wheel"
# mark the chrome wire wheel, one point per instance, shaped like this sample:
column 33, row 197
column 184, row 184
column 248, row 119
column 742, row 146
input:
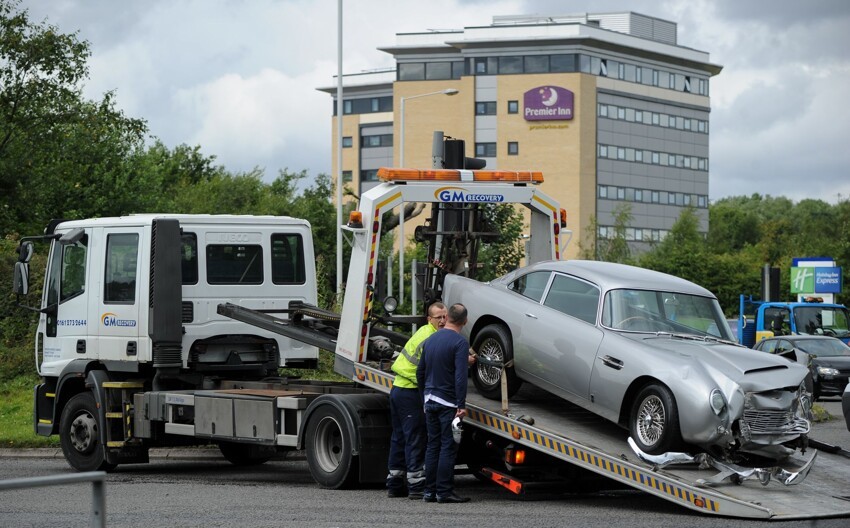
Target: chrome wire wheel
column 651, row 420
column 492, row 350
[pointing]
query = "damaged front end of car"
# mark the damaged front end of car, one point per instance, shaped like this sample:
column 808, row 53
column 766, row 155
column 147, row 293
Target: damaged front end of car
column 771, row 426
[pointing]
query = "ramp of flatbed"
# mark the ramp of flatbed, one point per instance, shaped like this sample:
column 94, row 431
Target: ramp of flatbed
column 580, row 437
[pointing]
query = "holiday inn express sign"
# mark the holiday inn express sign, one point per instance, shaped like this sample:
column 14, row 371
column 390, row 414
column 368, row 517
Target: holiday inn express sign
column 548, row 103
column 815, row 279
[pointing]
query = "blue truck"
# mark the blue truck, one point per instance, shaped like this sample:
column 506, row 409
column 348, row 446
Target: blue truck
column 758, row 320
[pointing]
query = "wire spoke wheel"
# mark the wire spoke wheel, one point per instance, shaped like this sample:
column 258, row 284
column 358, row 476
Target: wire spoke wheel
column 651, row 420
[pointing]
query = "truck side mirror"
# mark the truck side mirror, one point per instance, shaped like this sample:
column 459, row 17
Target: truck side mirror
column 25, row 251
column 21, row 280
column 72, row 237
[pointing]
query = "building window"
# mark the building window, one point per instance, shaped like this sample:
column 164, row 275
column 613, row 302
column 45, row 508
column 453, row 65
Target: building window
column 621, row 112
column 346, row 176
column 510, row 65
column 346, row 107
column 485, row 108
column 621, row 153
column 513, row 148
column 347, row 142
column 411, row 71
column 639, row 156
column 378, row 140
column 370, row 175
column 375, row 104
column 603, row 151
column 535, row 64
column 513, row 107
column 656, row 197
column 438, row 70
column 687, row 83
column 485, row 150
column 621, row 193
column 603, row 110
column 603, row 191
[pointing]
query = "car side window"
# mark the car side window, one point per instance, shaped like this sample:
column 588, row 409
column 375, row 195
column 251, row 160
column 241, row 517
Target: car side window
column 531, row 285
column 768, row 346
column 573, row 297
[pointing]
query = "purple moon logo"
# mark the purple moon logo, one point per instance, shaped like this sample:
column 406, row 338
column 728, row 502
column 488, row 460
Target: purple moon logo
column 548, row 103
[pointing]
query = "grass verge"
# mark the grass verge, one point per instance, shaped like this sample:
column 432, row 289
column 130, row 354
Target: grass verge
column 16, row 401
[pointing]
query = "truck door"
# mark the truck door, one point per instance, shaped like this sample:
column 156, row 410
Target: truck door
column 118, row 307
column 64, row 327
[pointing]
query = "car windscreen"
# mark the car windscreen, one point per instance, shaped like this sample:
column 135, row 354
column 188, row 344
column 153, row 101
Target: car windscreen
column 822, row 320
column 661, row 311
column 823, row 347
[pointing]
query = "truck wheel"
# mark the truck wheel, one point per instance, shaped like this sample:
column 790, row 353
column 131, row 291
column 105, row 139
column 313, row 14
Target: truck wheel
column 79, row 434
column 494, row 344
column 654, row 422
column 328, row 443
column 246, row 454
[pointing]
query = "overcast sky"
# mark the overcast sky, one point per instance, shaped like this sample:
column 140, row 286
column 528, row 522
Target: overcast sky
column 239, row 77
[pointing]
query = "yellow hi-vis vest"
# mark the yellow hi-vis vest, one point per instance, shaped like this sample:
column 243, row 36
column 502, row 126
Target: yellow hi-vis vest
column 405, row 364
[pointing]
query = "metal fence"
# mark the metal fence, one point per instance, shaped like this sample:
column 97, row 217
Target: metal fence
column 98, row 488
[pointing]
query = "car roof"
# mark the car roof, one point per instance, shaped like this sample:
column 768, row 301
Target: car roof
column 610, row 276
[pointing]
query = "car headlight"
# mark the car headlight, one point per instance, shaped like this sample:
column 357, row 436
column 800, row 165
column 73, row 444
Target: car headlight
column 827, row 371
column 717, row 402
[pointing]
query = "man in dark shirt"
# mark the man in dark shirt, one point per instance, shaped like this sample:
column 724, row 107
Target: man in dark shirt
column 441, row 377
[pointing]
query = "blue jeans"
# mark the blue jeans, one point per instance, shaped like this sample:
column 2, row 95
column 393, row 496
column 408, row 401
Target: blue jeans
column 441, row 451
column 407, row 443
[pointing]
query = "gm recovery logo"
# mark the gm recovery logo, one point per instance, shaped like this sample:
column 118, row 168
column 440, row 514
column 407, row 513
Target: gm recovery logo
column 459, row 194
column 109, row 319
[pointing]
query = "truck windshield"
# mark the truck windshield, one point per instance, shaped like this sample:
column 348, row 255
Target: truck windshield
column 826, row 320
column 660, row 311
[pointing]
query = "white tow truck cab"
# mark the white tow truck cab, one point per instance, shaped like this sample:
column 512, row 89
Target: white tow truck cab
column 135, row 297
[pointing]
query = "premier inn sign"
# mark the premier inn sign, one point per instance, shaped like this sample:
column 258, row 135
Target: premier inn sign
column 548, row 103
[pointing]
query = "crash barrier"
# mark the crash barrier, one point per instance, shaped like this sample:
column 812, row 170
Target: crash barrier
column 97, row 478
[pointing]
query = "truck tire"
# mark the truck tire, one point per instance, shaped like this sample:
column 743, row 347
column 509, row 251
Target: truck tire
column 328, row 442
column 79, row 434
column 654, row 420
column 493, row 343
column 246, row 454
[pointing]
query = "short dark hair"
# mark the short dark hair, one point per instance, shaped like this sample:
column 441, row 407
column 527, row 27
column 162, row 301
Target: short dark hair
column 438, row 305
column 458, row 314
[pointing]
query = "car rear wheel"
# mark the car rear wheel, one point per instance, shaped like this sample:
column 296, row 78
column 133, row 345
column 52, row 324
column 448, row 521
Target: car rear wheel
column 494, row 349
column 654, row 422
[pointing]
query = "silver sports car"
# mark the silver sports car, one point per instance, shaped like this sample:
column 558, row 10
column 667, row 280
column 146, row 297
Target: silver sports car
column 643, row 349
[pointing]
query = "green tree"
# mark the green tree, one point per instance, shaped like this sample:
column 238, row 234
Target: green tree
column 60, row 154
column 612, row 248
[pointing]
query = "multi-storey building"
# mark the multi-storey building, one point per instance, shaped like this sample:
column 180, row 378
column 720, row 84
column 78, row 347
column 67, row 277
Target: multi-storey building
column 608, row 106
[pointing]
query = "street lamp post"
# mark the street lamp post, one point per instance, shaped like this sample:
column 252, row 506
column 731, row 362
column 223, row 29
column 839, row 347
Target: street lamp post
column 447, row 91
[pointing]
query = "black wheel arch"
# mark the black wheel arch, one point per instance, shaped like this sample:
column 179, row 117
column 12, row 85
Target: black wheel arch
column 358, row 410
column 483, row 322
column 73, row 380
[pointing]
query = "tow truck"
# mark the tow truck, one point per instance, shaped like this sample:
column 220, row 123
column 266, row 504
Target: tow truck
column 533, row 441
column 758, row 320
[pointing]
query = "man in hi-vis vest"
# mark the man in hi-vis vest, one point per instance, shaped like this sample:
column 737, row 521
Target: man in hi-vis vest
column 407, row 445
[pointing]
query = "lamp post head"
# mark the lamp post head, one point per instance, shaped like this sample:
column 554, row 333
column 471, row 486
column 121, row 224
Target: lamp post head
column 450, row 91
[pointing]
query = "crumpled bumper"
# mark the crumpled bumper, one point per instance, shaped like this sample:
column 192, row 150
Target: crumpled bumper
column 734, row 473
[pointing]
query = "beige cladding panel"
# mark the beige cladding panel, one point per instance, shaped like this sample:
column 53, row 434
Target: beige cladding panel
column 350, row 156
column 454, row 115
column 565, row 151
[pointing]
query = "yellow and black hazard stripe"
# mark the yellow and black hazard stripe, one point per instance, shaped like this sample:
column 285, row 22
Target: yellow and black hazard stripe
column 374, row 378
column 573, row 453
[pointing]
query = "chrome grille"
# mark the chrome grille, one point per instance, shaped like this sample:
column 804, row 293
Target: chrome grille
column 761, row 421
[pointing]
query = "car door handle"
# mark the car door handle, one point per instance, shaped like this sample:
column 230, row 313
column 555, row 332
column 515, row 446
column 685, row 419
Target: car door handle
column 614, row 363
column 531, row 315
